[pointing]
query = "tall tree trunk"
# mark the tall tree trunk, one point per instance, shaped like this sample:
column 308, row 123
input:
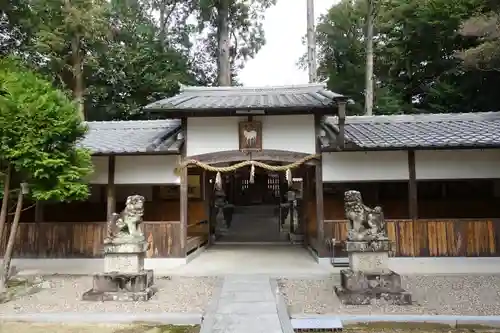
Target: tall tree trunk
column 76, row 68
column 78, row 89
column 5, row 200
column 163, row 9
column 224, row 63
column 369, row 59
column 7, row 258
column 311, row 42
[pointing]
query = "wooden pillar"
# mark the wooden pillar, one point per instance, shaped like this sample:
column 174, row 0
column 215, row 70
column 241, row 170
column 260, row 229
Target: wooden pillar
column 320, row 235
column 206, row 201
column 341, row 112
column 111, row 190
column 412, row 186
column 183, row 200
column 39, row 212
column 306, row 198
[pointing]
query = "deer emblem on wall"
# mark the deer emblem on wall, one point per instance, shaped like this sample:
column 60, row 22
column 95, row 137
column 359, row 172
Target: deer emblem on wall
column 250, row 135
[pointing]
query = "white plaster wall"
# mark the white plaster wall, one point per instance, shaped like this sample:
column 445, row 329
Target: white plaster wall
column 123, row 191
column 98, row 192
column 212, row 134
column 365, row 166
column 155, row 169
column 457, row 164
column 100, row 174
column 215, row 134
column 292, row 133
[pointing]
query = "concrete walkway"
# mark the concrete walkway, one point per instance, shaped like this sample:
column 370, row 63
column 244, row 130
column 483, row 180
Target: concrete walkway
column 246, row 304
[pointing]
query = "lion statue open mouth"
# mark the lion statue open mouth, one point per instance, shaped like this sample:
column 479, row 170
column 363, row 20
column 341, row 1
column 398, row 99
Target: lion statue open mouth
column 365, row 224
column 124, row 227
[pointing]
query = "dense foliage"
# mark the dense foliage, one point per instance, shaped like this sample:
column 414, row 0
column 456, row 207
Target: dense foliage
column 116, row 56
column 419, row 51
column 39, row 131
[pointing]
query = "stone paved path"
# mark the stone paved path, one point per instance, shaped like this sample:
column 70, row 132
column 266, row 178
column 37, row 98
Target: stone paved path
column 246, row 304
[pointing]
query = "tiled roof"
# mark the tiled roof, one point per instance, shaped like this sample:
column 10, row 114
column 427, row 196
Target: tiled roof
column 419, row 131
column 129, row 137
column 244, row 98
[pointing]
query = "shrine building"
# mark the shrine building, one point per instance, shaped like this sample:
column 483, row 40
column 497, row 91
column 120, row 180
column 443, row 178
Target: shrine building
column 277, row 161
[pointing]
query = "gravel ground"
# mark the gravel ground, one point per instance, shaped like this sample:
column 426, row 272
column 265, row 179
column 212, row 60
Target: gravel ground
column 432, row 294
column 180, row 294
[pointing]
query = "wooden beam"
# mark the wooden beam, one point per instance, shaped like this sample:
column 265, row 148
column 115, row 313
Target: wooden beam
column 231, row 156
column 183, row 200
column 111, row 189
column 412, row 186
column 319, row 188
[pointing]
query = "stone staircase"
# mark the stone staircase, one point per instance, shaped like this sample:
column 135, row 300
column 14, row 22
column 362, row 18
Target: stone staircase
column 255, row 224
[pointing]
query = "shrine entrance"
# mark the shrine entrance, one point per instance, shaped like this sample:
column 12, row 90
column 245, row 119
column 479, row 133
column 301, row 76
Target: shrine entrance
column 256, row 206
column 259, row 200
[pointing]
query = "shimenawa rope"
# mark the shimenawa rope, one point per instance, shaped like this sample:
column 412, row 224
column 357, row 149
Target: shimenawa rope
column 253, row 164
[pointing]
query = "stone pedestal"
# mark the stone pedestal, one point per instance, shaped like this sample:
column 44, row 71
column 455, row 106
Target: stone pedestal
column 369, row 277
column 124, row 277
column 124, row 258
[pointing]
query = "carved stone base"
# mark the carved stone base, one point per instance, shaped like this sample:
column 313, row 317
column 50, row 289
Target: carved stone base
column 359, row 281
column 348, row 297
column 369, row 262
column 117, row 286
column 119, row 296
column 369, row 256
column 125, row 257
column 361, row 288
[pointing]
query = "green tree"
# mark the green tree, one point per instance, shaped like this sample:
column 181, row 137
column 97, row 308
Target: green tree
column 235, row 33
column 136, row 68
column 420, row 40
column 67, row 34
column 13, row 29
column 341, row 52
column 39, row 133
column 415, row 63
column 342, row 57
column 486, row 27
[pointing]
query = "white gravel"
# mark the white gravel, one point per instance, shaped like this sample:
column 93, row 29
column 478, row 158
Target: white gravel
column 179, row 294
column 431, row 294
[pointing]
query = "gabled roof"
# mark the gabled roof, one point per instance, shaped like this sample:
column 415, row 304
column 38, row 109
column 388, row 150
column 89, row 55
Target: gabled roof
column 229, row 99
column 479, row 130
column 133, row 137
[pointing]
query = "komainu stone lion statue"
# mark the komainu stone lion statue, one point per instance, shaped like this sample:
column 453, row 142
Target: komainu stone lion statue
column 365, row 224
column 124, row 227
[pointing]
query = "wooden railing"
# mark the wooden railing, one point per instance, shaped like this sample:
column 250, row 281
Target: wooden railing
column 85, row 239
column 435, row 238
